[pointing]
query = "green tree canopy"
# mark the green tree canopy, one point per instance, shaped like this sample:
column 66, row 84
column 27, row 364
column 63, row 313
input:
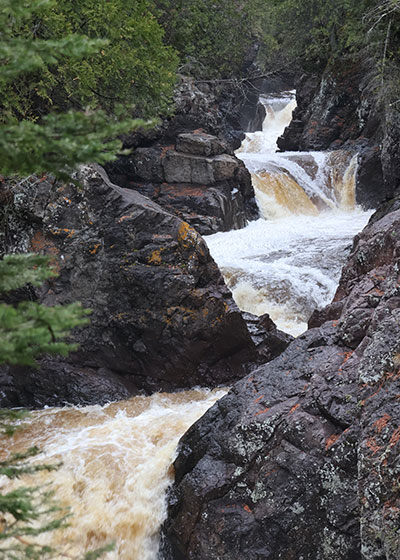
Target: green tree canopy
column 212, row 38
column 124, row 61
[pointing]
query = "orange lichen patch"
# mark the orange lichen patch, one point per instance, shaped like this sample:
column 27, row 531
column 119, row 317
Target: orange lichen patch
column 294, row 408
column 258, row 399
column 155, row 257
column 63, row 232
column 246, row 508
column 95, row 248
column 183, row 231
column 335, row 324
column 67, row 200
column 123, row 218
column 199, row 131
column 184, row 314
column 381, row 423
column 331, row 440
column 347, row 356
column 262, row 412
column 373, row 446
column 395, row 437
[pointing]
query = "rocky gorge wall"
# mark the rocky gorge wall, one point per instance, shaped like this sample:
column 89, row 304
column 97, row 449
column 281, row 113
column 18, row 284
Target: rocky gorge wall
column 300, row 459
column 187, row 164
column 162, row 317
column 340, row 110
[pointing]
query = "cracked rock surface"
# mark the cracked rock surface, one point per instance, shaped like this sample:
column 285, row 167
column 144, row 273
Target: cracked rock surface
column 300, row 459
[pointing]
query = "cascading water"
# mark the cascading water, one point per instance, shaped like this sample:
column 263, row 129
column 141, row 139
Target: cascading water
column 116, row 466
column 288, row 262
column 116, row 459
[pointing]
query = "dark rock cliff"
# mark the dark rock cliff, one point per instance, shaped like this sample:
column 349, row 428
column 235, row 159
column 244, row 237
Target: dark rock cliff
column 162, row 317
column 300, row 459
column 195, row 178
column 340, row 110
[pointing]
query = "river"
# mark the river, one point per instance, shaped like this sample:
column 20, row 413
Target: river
column 116, row 459
column 288, row 262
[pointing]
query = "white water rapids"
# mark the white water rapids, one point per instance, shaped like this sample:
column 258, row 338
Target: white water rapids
column 116, row 459
column 288, row 262
column 116, row 467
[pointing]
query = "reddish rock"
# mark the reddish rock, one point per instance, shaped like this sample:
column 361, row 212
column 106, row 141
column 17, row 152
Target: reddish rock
column 211, row 192
column 300, row 459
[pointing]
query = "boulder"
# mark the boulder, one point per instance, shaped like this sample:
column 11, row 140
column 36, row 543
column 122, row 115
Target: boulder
column 268, row 339
column 200, row 144
column 162, row 318
column 300, row 459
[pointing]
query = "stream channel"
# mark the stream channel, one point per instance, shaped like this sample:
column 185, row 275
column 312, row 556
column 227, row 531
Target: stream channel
column 116, row 459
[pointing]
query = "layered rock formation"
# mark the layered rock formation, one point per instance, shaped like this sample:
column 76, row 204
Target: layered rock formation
column 162, row 317
column 195, row 178
column 300, row 459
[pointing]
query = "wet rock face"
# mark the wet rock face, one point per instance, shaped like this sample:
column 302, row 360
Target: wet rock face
column 269, row 472
column 194, row 178
column 326, row 114
column 187, row 165
column 300, row 459
column 162, row 317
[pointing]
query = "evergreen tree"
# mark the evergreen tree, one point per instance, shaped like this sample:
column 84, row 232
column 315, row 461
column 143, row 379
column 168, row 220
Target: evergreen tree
column 41, row 58
column 122, row 60
column 212, row 38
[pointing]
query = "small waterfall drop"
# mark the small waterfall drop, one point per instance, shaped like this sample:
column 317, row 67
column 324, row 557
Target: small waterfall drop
column 288, row 262
column 116, row 467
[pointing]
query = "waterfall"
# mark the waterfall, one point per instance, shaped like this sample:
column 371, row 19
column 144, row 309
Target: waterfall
column 116, row 459
column 116, row 467
column 288, row 263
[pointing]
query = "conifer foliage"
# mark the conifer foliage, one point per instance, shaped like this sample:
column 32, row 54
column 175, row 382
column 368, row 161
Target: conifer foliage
column 33, row 140
column 30, row 329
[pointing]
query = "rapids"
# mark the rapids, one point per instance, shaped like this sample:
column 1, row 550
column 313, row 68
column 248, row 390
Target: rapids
column 116, row 460
column 288, row 262
column 116, row 466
